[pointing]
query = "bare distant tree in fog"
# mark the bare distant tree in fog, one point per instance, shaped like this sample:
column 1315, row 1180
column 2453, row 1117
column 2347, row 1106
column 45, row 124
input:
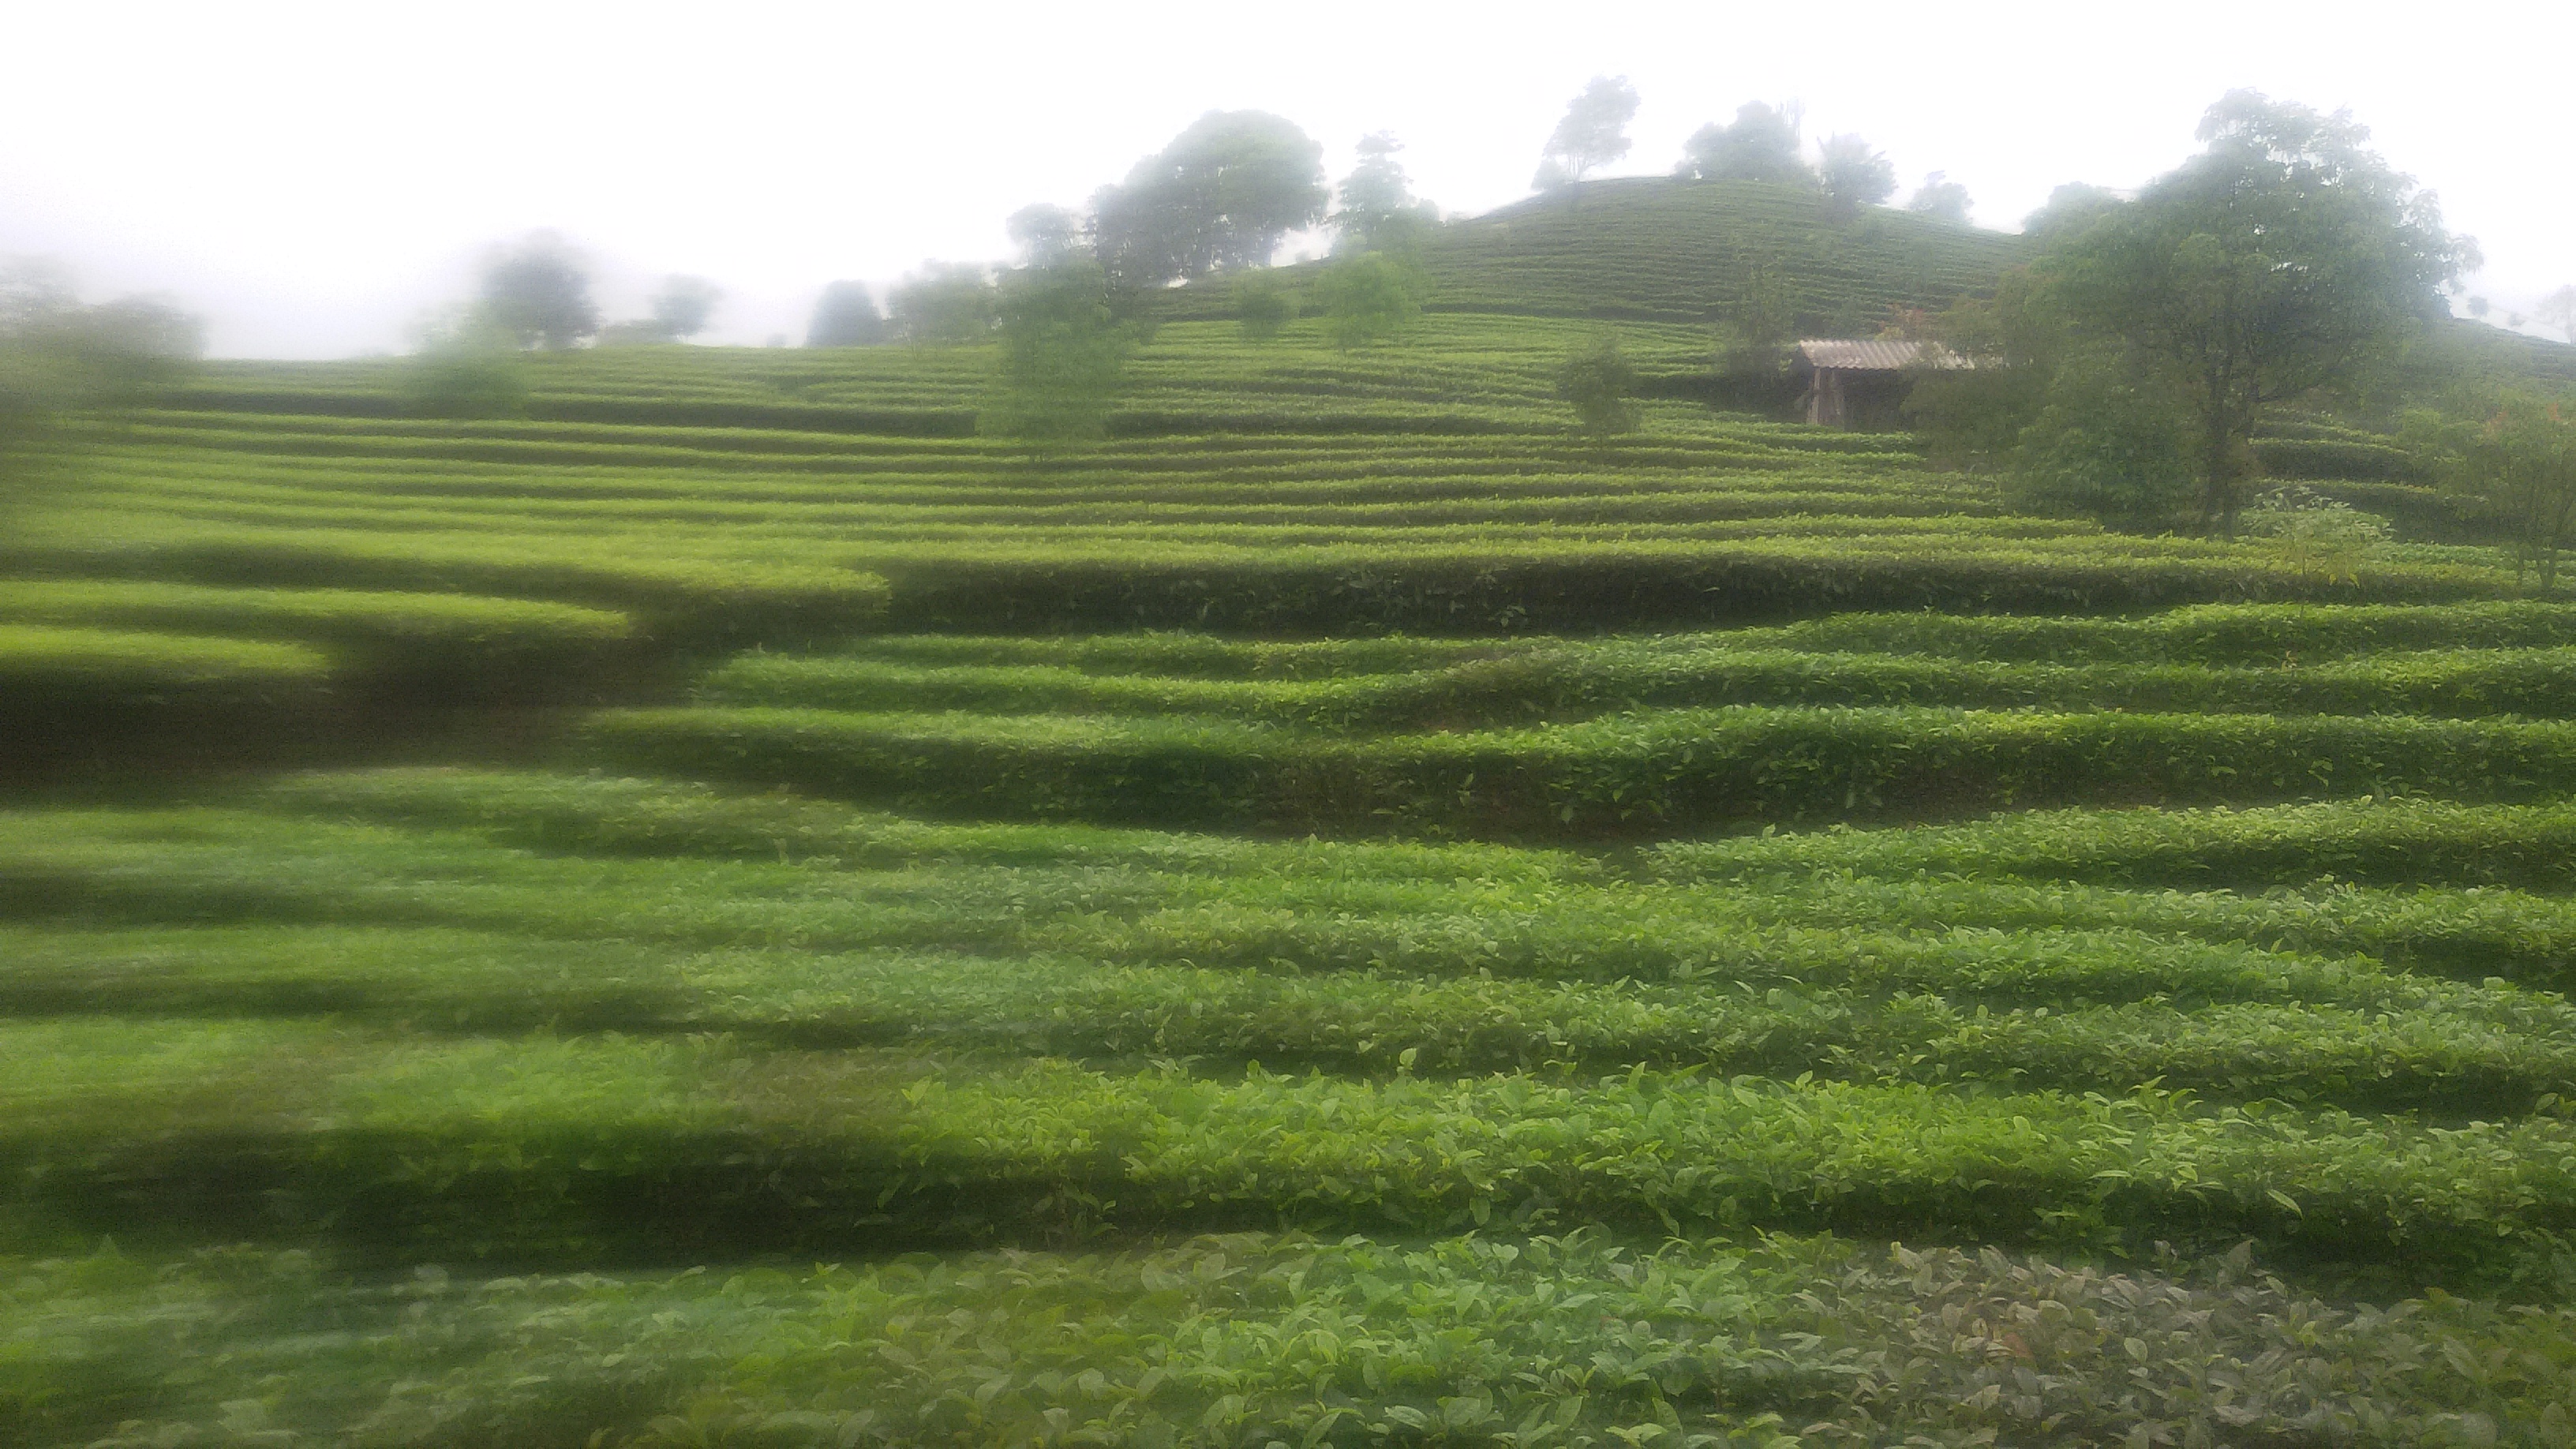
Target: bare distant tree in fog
column 684, row 306
column 538, row 293
column 845, row 316
column 1942, row 198
column 1853, row 175
column 1593, row 134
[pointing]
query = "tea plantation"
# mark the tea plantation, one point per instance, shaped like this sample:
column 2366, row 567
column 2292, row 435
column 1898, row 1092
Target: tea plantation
column 731, row 910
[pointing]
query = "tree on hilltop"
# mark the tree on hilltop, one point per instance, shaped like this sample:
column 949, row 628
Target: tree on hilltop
column 1063, row 351
column 60, row 358
column 1852, row 175
column 538, row 293
column 1941, row 198
column 943, row 302
column 1593, row 134
column 1761, row 145
column 1221, row 195
column 2069, row 209
column 845, row 316
column 1378, row 211
column 1047, row 235
column 684, row 306
column 2558, row 309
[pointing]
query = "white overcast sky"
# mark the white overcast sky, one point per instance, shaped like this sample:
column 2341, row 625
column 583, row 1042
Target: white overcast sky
column 311, row 178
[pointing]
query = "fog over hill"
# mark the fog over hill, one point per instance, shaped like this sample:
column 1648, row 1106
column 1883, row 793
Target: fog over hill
column 311, row 180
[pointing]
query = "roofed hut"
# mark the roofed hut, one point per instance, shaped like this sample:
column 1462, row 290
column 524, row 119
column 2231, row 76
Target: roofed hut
column 1861, row 382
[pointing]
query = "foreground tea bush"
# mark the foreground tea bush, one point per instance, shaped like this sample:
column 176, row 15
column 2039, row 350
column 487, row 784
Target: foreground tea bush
column 1578, row 1341
column 1646, row 773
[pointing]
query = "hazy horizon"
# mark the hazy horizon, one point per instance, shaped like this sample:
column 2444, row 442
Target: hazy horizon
column 313, row 180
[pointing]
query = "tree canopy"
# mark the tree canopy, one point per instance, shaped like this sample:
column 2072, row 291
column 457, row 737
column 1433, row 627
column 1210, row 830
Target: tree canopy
column 685, row 305
column 2558, row 309
column 1378, row 211
column 1940, row 197
column 1063, row 354
column 538, row 293
column 845, row 316
column 2069, row 209
column 2284, row 258
column 1761, row 145
column 1047, row 235
column 943, row 302
column 1222, row 194
column 59, row 357
column 1593, row 134
column 1368, row 298
column 1853, row 175
column 1600, row 383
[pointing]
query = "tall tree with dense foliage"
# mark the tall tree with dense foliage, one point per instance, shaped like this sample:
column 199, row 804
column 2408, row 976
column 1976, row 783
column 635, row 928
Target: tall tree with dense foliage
column 1221, row 195
column 1852, row 175
column 1593, row 134
column 845, row 316
column 1761, row 145
column 2284, row 258
column 538, row 293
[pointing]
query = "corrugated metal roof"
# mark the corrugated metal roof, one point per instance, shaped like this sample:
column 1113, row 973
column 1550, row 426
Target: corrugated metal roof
column 1876, row 354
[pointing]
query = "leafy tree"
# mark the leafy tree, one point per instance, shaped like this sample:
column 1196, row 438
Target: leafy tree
column 2284, row 258
column 538, row 294
column 1046, row 235
column 2107, row 442
column 1378, row 211
column 684, row 306
column 2316, row 535
column 2558, row 309
column 1593, row 134
column 1601, row 384
column 2519, row 468
column 1941, row 198
column 1761, row 321
column 1853, row 175
column 1368, row 298
column 1063, row 355
column 61, row 360
column 465, row 367
column 1762, row 145
column 1264, row 303
column 943, row 302
column 2069, row 209
column 1222, row 194
column 845, row 316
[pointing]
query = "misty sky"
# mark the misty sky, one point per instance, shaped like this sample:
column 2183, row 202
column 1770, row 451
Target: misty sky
column 312, row 178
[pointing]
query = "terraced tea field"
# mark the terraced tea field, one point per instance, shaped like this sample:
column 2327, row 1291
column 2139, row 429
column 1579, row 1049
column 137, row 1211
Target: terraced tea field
column 1347, row 914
